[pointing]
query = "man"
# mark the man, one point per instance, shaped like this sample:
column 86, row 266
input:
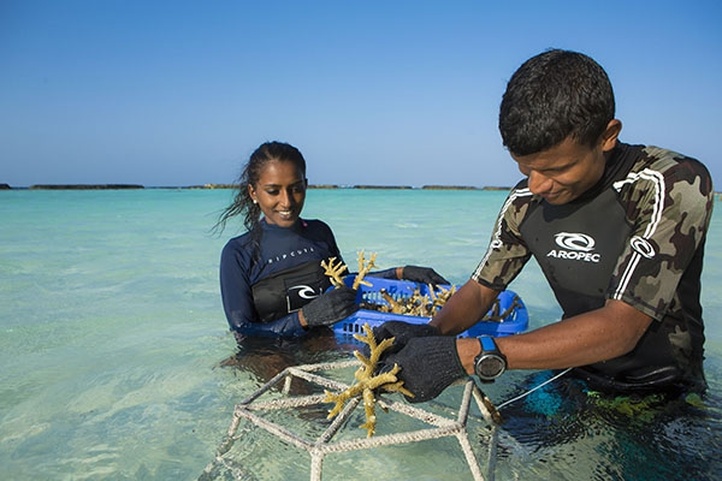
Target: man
column 618, row 230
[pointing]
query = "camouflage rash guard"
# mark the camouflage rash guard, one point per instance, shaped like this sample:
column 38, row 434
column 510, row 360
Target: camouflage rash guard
column 637, row 236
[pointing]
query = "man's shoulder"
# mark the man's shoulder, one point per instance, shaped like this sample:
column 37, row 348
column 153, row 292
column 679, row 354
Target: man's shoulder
column 668, row 170
column 521, row 196
column 664, row 184
column 670, row 163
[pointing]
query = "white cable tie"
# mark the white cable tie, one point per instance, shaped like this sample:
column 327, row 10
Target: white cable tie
column 533, row 389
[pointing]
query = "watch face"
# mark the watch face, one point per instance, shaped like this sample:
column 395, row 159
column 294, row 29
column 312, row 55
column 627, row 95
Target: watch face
column 490, row 367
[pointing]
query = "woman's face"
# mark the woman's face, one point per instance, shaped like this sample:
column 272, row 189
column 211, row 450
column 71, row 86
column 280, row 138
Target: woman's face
column 280, row 193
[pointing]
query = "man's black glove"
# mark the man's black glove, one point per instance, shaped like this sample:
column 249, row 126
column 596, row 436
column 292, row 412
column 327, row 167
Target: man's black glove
column 424, row 275
column 428, row 365
column 403, row 332
column 330, row 307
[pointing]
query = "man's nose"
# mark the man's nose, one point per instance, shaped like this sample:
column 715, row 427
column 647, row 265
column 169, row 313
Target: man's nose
column 539, row 183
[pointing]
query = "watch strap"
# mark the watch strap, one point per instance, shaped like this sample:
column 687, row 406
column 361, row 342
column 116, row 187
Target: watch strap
column 488, row 344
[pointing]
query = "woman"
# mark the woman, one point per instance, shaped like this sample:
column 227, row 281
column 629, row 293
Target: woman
column 272, row 282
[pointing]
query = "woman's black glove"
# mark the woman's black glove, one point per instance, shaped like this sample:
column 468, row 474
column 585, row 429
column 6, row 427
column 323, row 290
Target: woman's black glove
column 428, row 365
column 402, row 332
column 424, row 275
column 330, row 307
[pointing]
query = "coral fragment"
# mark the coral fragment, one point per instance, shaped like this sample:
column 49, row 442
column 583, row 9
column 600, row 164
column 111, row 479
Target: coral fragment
column 367, row 383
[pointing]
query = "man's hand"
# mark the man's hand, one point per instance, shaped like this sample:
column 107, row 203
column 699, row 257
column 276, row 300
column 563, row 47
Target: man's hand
column 402, row 332
column 428, row 365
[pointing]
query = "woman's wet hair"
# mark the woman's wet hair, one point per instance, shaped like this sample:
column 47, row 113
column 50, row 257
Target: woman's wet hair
column 242, row 203
column 552, row 96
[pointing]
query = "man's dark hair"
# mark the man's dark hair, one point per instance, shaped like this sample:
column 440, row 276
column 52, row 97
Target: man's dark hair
column 552, row 96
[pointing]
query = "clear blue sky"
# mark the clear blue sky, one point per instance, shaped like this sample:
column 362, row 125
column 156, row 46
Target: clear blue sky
column 372, row 92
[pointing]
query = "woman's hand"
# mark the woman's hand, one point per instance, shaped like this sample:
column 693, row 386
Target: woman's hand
column 329, row 308
column 424, row 275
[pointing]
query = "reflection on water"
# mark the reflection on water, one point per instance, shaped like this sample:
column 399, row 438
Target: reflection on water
column 577, row 434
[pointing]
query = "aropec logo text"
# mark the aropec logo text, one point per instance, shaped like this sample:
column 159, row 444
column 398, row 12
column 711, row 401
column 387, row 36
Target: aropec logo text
column 575, row 247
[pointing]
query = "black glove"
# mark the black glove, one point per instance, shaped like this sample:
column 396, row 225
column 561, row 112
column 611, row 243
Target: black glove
column 330, row 307
column 428, row 365
column 403, row 332
column 424, row 275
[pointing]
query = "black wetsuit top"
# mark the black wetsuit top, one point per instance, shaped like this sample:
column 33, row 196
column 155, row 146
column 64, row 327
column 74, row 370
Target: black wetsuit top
column 266, row 280
column 637, row 236
column 290, row 256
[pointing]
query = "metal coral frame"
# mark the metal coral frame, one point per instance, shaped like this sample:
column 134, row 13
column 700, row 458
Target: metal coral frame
column 252, row 408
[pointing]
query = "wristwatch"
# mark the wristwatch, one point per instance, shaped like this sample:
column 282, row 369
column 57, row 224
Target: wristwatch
column 490, row 363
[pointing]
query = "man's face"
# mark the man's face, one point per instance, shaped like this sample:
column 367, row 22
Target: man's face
column 563, row 173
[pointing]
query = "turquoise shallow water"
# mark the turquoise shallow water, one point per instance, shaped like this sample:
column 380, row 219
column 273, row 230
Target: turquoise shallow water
column 113, row 338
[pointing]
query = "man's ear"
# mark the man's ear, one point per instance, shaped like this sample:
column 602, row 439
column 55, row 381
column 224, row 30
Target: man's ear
column 611, row 135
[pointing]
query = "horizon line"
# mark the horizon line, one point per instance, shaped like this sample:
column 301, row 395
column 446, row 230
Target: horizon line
column 118, row 186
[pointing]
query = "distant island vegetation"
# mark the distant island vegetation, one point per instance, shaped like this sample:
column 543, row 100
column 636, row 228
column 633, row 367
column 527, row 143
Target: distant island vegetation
column 233, row 186
column 5, row 186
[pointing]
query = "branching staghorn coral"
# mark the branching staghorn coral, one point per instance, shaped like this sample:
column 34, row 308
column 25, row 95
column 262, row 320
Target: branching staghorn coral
column 335, row 270
column 440, row 297
column 363, row 269
column 416, row 304
column 367, row 383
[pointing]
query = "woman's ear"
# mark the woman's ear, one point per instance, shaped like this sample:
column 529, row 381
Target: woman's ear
column 252, row 194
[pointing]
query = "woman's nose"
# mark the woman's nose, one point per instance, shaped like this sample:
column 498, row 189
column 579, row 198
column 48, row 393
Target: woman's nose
column 286, row 198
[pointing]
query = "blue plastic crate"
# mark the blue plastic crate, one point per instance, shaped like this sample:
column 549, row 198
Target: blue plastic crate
column 515, row 317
